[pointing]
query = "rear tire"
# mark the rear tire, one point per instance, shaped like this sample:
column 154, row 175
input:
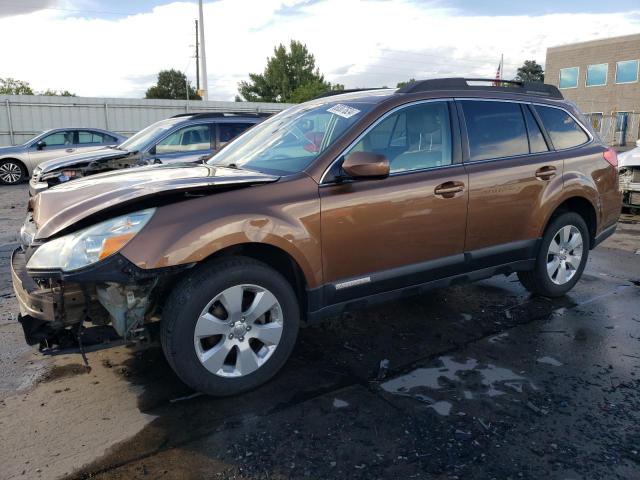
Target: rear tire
column 211, row 332
column 561, row 258
column 12, row 172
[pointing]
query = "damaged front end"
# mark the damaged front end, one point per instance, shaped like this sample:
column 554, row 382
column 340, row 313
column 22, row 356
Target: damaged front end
column 59, row 171
column 72, row 282
column 629, row 176
column 630, row 185
column 65, row 304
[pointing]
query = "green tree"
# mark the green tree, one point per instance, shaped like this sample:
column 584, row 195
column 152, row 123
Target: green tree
column 289, row 77
column 172, row 84
column 404, row 84
column 56, row 93
column 11, row 86
column 530, row 71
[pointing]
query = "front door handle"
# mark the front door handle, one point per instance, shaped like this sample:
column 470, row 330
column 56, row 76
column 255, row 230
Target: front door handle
column 69, row 150
column 449, row 189
column 546, row 173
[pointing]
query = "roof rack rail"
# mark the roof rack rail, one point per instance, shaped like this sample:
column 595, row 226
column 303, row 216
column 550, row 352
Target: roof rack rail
column 506, row 86
column 331, row 93
column 223, row 114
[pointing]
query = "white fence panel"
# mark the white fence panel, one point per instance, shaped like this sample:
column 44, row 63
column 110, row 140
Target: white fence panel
column 23, row 116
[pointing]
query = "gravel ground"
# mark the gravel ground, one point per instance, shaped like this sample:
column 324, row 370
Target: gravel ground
column 483, row 381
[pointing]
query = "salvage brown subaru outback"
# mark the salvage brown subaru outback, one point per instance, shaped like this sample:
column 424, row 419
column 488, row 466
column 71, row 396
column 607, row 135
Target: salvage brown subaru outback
column 330, row 205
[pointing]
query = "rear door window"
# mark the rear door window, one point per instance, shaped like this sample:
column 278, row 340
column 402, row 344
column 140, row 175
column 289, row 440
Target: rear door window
column 562, row 128
column 229, row 131
column 495, row 129
column 88, row 137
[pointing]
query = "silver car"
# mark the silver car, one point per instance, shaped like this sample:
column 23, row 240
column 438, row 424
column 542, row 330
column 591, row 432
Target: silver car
column 17, row 162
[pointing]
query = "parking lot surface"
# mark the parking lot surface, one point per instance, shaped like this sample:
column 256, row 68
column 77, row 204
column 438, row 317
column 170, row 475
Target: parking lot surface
column 476, row 381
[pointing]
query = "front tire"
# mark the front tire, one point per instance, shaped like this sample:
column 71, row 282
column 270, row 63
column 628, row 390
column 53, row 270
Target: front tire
column 230, row 326
column 561, row 258
column 12, row 172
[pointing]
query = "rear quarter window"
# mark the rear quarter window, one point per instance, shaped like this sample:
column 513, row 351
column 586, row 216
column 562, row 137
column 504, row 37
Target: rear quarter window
column 562, row 128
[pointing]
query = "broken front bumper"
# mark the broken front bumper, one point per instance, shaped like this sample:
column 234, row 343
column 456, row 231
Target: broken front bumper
column 113, row 291
column 59, row 303
column 631, row 195
column 44, row 310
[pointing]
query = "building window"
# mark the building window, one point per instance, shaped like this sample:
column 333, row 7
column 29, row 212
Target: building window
column 597, row 75
column 627, row 71
column 569, row 77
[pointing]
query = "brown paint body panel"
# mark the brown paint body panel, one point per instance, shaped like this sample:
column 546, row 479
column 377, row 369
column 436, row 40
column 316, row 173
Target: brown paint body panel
column 286, row 215
column 64, row 205
column 507, row 202
column 375, row 225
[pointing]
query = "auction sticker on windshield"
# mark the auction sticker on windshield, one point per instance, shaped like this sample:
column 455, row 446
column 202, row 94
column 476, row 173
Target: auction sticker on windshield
column 343, row 111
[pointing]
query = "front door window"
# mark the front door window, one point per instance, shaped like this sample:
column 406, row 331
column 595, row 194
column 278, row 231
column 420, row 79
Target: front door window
column 414, row 138
column 58, row 139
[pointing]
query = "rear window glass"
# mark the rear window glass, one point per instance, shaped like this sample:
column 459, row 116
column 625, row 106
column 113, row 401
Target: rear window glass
column 562, row 128
column 495, row 129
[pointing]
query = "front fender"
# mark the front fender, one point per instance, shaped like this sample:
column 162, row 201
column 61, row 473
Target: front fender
column 284, row 214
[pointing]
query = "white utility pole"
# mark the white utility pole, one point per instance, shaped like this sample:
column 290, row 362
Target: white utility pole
column 203, row 57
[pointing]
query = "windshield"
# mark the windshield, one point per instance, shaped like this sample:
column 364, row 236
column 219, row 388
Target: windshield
column 289, row 141
column 143, row 137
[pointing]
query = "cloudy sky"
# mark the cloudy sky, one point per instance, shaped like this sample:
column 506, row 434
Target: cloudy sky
column 114, row 48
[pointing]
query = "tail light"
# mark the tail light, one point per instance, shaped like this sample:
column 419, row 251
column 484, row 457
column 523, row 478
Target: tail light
column 611, row 157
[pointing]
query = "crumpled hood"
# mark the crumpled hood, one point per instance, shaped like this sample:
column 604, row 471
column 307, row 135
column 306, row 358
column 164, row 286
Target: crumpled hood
column 82, row 159
column 63, row 205
column 630, row 158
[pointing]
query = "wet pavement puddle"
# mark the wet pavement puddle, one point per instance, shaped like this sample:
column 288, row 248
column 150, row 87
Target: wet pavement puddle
column 469, row 376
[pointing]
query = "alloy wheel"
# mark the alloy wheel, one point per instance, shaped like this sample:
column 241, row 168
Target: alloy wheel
column 564, row 254
column 238, row 330
column 10, row 172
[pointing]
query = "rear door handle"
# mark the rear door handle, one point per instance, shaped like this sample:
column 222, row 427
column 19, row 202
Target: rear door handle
column 545, row 173
column 449, row 189
column 69, row 150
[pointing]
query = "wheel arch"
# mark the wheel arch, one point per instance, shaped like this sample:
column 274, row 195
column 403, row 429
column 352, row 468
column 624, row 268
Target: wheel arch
column 276, row 258
column 583, row 207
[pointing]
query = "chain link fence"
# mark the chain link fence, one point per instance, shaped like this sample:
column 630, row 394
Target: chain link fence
column 620, row 129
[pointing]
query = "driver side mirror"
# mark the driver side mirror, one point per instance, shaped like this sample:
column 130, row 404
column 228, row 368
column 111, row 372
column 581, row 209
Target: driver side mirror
column 366, row 165
column 41, row 144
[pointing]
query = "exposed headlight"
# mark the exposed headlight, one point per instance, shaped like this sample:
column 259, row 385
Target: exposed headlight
column 90, row 245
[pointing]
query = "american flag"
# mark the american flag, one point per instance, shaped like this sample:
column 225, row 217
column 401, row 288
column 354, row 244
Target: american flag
column 499, row 71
